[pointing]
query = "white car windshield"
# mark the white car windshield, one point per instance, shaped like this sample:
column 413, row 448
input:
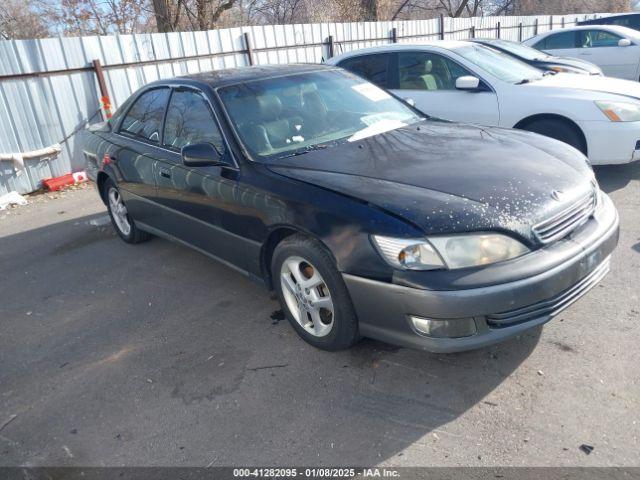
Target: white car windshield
column 294, row 114
column 499, row 64
column 625, row 32
column 519, row 50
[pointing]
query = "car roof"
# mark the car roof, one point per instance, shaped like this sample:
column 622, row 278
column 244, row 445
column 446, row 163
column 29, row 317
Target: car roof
column 490, row 41
column 614, row 15
column 445, row 44
column 230, row 76
column 615, row 28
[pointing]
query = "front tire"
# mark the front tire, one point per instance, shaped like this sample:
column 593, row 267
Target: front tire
column 558, row 130
column 313, row 295
column 120, row 218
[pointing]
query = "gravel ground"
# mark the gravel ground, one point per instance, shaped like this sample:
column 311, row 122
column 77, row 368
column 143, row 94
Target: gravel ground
column 113, row 354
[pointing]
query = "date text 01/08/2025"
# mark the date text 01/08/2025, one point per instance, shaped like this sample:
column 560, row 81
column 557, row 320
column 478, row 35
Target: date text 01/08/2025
column 315, row 472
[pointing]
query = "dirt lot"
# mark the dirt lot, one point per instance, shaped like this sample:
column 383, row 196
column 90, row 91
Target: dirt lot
column 112, row 354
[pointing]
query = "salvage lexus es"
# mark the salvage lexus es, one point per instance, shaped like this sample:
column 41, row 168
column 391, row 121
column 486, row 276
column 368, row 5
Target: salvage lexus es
column 366, row 217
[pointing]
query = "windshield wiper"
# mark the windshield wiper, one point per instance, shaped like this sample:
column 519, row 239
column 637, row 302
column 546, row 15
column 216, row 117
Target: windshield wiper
column 310, row 148
column 527, row 80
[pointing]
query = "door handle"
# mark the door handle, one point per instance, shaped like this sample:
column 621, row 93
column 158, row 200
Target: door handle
column 165, row 173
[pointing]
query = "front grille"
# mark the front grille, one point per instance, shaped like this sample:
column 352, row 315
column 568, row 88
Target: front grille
column 565, row 222
column 552, row 306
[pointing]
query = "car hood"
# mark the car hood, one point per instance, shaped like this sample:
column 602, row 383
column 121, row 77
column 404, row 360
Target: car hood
column 573, row 62
column 592, row 83
column 450, row 177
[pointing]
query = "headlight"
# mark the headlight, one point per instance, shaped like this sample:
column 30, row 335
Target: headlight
column 408, row 253
column 455, row 251
column 620, row 111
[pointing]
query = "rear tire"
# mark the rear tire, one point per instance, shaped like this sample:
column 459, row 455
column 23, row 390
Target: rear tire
column 559, row 130
column 120, row 218
column 312, row 294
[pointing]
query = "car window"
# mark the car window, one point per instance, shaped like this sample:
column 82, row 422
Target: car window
column 190, row 120
column 144, row 118
column 294, row 114
column 558, row 41
column 624, row 21
column 372, row 67
column 427, row 71
column 598, row 38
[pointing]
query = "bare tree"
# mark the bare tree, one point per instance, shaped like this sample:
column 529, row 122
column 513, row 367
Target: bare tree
column 532, row 7
column 450, row 8
column 95, row 17
column 18, row 20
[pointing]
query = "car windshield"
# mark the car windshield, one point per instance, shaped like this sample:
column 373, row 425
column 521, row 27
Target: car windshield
column 626, row 32
column 499, row 64
column 294, row 114
column 519, row 50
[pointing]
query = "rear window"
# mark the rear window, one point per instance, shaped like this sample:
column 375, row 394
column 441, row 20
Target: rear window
column 374, row 68
column 144, row 119
column 557, row 41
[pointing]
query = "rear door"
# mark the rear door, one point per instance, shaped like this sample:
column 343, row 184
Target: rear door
column 561, row 44
column 138, row 144
column 601, row 47
column 429, row 79
column 198, row 203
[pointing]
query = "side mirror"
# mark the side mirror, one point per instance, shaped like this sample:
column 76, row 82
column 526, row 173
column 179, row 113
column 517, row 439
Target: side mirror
column 410, row 101
column 200, row 155
column 468, row 83
column 624, row 42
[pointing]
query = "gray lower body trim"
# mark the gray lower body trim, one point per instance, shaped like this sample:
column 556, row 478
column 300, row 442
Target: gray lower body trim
column 500, row 311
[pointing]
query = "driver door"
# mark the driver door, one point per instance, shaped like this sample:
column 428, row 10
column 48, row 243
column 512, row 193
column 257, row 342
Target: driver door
column 198, row 203
column 429, row 79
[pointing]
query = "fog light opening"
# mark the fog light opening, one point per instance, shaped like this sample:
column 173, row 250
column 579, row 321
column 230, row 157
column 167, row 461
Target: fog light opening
column 453, row 328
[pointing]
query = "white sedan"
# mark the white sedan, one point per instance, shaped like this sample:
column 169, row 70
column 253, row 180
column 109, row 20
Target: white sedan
column 613, row 48
column 467, row 82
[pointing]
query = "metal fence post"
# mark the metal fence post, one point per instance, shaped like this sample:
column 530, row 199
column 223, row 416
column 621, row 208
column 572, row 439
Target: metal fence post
column 551, row 22
column 247, row 44
column 394, row 35
column 535, row 27
column 330, row 46
column 498, row 29
column 562, row 23
column 472, row 33
column 104, row 93
column 520, row 32
column 441, row 27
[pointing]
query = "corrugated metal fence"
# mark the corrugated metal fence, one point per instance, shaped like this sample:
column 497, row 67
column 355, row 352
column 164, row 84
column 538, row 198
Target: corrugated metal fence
column 48, row 88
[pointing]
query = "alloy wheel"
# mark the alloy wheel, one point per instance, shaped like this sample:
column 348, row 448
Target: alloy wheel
column 307, row 296
column 119, row 212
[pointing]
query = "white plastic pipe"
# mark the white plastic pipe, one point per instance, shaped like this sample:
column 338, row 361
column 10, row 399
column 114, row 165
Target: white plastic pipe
column 19, row 158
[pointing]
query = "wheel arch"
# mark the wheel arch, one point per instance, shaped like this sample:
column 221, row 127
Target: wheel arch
column 101, row 179
column 275, row 237
column 521, row 125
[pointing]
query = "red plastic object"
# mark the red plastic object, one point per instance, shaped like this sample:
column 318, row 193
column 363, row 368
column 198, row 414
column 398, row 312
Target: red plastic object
column 55, row 184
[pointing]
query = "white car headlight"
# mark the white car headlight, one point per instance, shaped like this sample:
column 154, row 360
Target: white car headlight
column 620, row 111
column 454, row 251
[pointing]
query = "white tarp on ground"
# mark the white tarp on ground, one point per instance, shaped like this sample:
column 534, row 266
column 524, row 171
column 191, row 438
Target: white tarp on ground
column 11, row 198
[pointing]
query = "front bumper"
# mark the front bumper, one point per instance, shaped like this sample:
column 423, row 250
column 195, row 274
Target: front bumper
column 500, row 310
column 612, row 142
